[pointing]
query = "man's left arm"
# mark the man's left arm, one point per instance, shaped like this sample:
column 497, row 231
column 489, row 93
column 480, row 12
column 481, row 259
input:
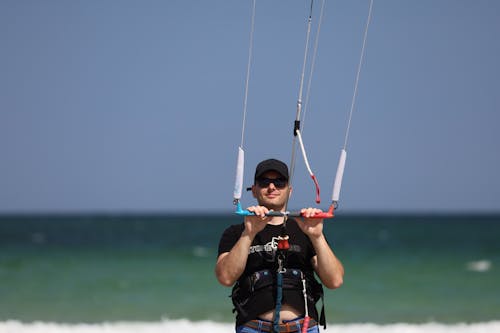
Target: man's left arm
column 328, row 267
column 326, row 264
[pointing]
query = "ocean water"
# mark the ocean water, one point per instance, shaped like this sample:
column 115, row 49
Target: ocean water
column 114, row 273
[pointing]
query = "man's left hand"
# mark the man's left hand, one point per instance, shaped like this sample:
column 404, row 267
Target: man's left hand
column 313, row 227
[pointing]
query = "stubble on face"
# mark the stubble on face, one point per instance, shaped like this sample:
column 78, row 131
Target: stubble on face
column 271, row 197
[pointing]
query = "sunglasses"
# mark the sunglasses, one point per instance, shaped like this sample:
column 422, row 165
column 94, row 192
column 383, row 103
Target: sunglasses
column 278, row 182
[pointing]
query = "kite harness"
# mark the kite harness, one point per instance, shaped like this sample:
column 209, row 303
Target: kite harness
column 281, row 282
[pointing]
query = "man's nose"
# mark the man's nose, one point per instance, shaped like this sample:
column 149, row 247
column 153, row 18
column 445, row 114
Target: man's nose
column 271, row 186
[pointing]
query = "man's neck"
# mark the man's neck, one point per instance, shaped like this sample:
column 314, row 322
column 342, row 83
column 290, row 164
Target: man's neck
column 277, row 220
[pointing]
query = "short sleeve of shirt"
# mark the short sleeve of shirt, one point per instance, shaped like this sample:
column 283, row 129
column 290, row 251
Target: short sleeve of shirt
column 229, row 238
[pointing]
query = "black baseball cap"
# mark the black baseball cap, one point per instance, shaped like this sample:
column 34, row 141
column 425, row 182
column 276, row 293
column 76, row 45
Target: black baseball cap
column 271, row 165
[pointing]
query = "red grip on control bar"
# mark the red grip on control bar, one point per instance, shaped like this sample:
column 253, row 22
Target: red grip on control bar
column 323, row 215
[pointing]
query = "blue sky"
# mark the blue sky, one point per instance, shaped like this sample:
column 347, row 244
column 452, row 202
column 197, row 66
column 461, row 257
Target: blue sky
column 136, row 106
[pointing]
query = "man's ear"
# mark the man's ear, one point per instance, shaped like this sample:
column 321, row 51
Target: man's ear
column 253, row 191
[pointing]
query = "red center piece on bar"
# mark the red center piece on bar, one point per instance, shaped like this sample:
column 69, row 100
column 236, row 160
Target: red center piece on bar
column 283, row 243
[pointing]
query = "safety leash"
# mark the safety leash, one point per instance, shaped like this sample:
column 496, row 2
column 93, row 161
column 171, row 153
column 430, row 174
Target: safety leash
column 283, row 246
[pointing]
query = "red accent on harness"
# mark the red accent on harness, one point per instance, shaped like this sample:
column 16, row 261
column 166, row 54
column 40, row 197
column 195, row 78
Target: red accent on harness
column 283, row 243
column 305, row 325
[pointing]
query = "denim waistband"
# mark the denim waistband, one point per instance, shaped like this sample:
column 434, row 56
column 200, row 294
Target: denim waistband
column 288, row 326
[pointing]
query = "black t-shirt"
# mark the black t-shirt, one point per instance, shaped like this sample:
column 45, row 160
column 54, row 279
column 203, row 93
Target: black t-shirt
column 262, row 255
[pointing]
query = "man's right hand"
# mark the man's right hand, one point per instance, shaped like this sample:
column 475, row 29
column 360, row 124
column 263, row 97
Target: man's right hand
column 256, row 223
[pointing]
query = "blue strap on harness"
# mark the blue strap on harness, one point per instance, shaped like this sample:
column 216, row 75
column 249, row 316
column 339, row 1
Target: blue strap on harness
column 279, row 297
column 279, row 289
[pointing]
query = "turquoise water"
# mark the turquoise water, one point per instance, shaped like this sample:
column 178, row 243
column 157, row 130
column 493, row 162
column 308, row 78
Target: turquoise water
column 95, row 269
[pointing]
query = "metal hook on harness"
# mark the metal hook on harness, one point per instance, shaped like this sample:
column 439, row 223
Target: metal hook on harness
column 281, row 266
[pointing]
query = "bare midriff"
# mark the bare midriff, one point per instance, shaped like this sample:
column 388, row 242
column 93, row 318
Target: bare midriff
column 287, row 313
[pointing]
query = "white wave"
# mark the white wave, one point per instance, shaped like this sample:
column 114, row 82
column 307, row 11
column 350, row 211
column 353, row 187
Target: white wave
column 488, row 327
column 187, row 326
column 480, row 266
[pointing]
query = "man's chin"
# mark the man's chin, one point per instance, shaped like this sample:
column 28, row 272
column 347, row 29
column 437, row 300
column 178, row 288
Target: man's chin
column 274, row 206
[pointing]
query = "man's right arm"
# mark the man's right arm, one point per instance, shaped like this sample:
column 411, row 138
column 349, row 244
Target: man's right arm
column 230, row 265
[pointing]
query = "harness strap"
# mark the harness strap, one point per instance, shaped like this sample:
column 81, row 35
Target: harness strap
column 322, row 318
column 305, row 326
column 283, row 245
column 279, row 297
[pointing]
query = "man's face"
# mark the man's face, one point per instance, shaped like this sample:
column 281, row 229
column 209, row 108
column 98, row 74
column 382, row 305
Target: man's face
column 271, row 190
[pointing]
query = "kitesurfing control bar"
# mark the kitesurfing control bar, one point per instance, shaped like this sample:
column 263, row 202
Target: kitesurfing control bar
column 296, row 128
column 322, row 215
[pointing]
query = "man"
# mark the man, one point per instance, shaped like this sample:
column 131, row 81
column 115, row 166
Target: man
column 255, row 255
